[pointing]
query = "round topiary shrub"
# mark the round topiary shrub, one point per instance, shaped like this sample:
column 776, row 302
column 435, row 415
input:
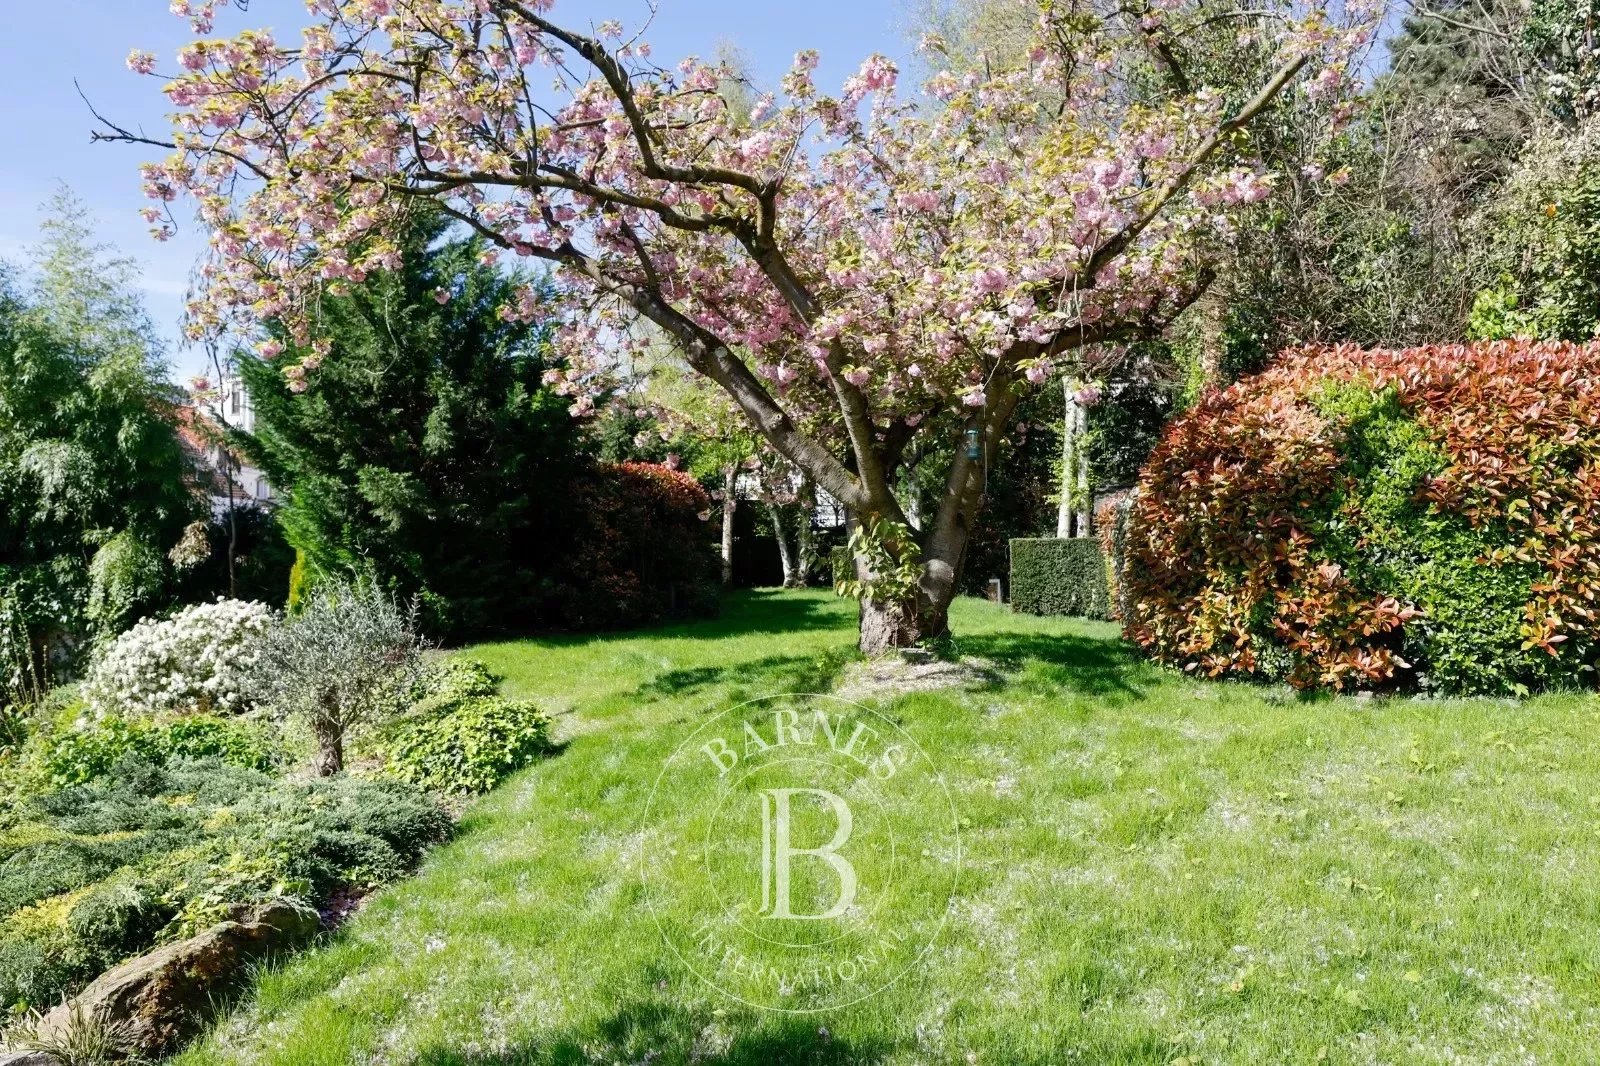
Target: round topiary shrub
column 1427, row 517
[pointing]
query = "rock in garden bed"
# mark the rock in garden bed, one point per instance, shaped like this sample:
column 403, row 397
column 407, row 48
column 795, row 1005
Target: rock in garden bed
column 168, row 996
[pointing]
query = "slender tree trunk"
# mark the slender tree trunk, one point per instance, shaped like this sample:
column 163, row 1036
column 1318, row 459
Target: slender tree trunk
column 1083, row 525
column 228, row 466
column 730, row 502
column 785, row 553
column 233, row 536
column 1213, row 325
column 805, row 541
column 913, row 506
column 1069, row 429
column 329, row 757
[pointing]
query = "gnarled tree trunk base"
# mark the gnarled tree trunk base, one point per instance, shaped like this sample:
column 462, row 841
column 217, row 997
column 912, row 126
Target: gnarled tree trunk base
column 886, row 627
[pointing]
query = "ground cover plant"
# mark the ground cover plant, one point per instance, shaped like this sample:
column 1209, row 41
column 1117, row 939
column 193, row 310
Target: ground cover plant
column 461, row 736
column 131, row 819
column 1422, row 517
column 147, row 852
column 1156, row 869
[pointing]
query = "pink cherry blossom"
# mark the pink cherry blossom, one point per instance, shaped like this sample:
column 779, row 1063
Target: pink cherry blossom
column 845, row 269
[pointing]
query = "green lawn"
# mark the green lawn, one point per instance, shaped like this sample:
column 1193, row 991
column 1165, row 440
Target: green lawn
column 1155, row 870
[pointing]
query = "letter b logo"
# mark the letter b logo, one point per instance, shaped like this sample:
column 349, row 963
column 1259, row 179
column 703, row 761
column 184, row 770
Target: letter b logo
column 777, row 850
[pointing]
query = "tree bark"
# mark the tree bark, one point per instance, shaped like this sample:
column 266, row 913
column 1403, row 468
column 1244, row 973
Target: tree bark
column 329, row 757
column 1074, row 513
column 730, row 502
column 804, row 540
column 1083, row 524
column 1069, row 428
column 887, row 626
column 785, row 553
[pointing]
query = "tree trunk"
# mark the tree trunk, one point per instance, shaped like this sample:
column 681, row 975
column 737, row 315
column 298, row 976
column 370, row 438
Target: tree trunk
column 1069, row 470
column 805, row 542
column 329, row 757
column 1083, row 526
column 785, row 553
column 913, row 506
column 730, row 501
column 1213, row 319
column 886, row 626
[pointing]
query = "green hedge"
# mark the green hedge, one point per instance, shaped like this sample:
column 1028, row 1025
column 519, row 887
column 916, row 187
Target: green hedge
column 1050, row 575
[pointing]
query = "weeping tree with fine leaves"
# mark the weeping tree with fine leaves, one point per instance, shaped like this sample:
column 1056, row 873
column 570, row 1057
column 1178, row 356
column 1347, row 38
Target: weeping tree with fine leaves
column 96, row 492
column 854, row 271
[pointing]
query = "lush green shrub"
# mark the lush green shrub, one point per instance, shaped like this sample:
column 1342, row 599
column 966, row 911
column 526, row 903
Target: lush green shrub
column 14, row 729
column 457, row 678
column 842, row 565
column 426, row 449
column 1426, row 517
column 1053, row 575
column 1538, row 237
column 196, row 660
column 93, row 747
column 93, row 478
column 101, row 871
column 467, row 745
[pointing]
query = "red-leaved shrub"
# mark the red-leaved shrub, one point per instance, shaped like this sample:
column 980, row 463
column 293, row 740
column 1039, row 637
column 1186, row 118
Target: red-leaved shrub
column 1379, row 517
column 644, row 551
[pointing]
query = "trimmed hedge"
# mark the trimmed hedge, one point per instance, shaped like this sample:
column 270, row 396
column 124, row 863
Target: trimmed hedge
column 644, row 553
column 1111, row 520
column 1426, row 518
column 1051, row 575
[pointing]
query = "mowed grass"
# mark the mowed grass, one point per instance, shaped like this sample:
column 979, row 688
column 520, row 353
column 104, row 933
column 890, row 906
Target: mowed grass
column 1156, row 870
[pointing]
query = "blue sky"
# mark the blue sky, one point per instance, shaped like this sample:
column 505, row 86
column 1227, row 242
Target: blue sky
column 45, row 138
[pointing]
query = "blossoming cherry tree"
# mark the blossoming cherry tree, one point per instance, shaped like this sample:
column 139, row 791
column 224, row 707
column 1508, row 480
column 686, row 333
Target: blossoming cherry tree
column 853, row 271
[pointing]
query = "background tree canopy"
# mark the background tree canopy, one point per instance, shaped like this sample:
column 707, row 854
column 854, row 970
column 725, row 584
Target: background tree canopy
column 94, row 485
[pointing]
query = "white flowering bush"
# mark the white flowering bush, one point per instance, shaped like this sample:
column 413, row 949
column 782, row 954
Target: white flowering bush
column 197, row 660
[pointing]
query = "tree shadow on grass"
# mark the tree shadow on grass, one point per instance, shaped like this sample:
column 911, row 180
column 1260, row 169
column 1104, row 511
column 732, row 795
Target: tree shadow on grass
column 664, row 1033
column 744, row 613
column 760, row 677
column 1065, row 663
column 1061, row 664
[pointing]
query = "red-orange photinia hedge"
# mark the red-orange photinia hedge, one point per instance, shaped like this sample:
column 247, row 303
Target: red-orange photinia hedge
column 1427, row 517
